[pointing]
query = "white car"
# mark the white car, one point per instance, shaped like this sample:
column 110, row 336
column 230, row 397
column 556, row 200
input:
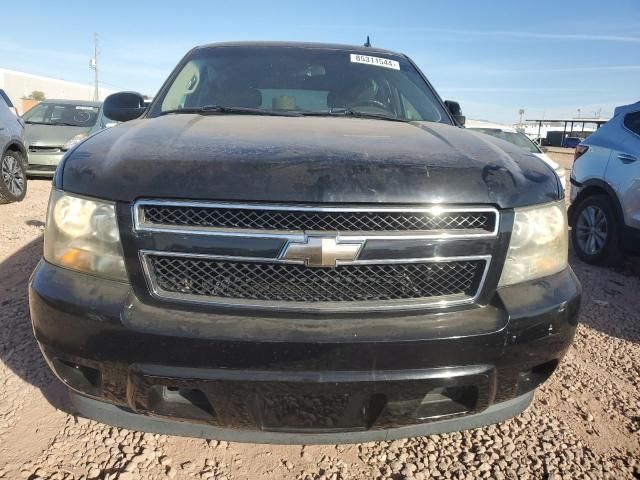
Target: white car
column 511, row 135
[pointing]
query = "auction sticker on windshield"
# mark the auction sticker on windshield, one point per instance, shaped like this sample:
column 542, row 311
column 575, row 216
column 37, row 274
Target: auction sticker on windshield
column 377, row 61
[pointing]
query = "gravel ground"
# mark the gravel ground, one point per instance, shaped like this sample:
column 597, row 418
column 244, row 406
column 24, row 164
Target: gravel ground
column 584, row 422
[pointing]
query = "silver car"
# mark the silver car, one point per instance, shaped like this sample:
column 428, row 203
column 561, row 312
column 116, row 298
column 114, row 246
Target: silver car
column 605, row 209
column 54, row 126
column 13, row 162
column 511, row 135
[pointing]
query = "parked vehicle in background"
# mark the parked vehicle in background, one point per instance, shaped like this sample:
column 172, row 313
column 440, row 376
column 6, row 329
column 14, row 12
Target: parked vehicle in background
column 571, row 142
column 542, row 141
column 297, row 243
column 511, row 135
column 7, row 100
column 605, row 192
column 13, row 160
column 54, row 126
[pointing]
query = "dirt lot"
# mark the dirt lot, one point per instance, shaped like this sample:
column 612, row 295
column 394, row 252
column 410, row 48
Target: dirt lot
column 584, row 423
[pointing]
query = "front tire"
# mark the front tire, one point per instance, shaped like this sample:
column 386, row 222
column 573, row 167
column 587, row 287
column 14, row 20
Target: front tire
column 13, row 178
column 596, row 231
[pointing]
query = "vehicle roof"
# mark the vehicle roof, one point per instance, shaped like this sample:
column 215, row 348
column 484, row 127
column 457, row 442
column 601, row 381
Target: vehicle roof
column 484, row 124
column 626, row 108
column 88, row 103
column 327, row 46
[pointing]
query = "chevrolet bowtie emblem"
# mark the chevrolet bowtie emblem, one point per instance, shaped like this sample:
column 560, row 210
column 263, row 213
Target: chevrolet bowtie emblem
column 317, row 251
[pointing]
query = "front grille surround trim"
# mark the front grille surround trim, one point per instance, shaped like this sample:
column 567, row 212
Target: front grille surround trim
column 140, row 223
column 342, row 306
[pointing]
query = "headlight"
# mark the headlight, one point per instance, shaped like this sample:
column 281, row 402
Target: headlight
column 73, row 141
column 562, row 173
column 539, row 243
column 82, row 234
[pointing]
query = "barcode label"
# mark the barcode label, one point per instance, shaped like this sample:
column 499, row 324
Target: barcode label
column 376, row 61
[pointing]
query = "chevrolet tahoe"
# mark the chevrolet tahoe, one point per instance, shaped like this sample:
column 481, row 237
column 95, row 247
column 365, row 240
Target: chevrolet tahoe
column 298, row 243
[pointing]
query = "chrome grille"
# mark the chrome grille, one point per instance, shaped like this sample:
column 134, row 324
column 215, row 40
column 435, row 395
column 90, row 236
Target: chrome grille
column 209, row 278
column 364, row 219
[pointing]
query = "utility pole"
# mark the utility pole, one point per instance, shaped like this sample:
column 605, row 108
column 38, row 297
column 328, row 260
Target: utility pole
column 521, row 112
column 93, row 64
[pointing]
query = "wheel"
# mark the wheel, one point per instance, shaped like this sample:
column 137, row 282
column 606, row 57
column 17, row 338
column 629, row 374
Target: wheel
column 13, row 178
column 596, row 231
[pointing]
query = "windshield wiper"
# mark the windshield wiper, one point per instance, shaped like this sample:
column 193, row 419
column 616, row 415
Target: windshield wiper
column 36, row 123
column 63, row 124
column 347, row 112
column 206, row 109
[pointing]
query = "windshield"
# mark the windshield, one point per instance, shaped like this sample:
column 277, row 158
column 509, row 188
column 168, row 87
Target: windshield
column 517, row 138
column 302, row 80
column 64, row 114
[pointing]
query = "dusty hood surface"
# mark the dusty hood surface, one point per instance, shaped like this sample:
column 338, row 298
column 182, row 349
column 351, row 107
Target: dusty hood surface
column 304, row 159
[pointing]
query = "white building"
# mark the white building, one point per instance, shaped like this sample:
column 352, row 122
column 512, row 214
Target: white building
column 19, row 85
column 533, row 130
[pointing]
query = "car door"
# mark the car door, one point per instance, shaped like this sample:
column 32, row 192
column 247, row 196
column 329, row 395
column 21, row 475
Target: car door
column 6, row 118
column 623, row 171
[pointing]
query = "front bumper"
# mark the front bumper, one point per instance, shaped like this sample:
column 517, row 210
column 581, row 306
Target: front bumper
column 313, row 379
column 43, row 164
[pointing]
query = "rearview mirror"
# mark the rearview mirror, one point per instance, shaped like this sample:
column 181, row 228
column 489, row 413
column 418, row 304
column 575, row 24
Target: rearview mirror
column 124, row 106
column 456, row 112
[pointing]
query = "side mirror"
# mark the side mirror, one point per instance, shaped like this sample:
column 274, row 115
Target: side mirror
column 123, row 106
column 456, row 112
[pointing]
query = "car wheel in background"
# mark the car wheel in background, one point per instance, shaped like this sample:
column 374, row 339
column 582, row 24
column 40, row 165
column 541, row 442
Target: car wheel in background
column 13, row 178
column 596, row 231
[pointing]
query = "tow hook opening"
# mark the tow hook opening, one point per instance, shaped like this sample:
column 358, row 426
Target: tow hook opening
column 535, row 376
column 444, row 401
column 171, row 400
column 79, row 377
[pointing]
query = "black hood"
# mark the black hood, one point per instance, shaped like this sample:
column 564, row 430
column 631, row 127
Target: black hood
column 304, row 159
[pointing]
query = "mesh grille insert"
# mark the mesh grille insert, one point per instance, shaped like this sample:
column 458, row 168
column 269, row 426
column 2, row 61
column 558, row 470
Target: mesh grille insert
column 297, row 283
column 304, row 220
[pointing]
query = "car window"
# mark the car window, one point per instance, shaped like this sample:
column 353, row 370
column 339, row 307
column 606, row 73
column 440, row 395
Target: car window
column 6, row 98
column 409, row 110
column 63, row 114
column 305, row 80
column 57, row 113
column 516, row 138
column 36, row 114
column 632, row 122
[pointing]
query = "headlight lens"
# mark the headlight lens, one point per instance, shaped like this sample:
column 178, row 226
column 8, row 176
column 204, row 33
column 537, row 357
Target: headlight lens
column 73, row 141
column 562, row 173
column 82, row 234
column 539, row 243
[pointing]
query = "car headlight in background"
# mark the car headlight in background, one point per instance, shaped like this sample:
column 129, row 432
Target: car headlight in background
column 74, row 141
column 562, row 174
column 82, row 234
column 539, row 243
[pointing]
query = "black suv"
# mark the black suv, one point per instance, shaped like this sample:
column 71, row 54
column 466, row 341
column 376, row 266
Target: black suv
column 297, row 243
